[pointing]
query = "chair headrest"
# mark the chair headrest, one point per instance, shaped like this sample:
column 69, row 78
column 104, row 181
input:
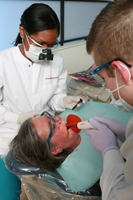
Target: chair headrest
column 25, row 169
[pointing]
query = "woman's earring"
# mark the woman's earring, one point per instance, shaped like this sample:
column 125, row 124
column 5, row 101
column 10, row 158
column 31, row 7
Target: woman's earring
column 61, row 150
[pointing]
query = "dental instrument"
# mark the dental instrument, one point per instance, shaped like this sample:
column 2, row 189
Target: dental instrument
column 80, row 101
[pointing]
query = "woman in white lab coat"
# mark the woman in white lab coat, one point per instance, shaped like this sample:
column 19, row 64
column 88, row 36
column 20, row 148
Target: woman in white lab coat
column 32, row 79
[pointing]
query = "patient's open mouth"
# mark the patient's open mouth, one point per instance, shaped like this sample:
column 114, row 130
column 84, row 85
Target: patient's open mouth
column 67, row 127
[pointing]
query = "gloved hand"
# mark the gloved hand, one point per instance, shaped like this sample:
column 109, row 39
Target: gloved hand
column 71, row 101
column 102, row 138
column 22, row 117
column 117, row 127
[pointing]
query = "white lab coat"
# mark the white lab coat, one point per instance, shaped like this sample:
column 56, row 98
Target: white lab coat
column 117, row 178
column 26, row 87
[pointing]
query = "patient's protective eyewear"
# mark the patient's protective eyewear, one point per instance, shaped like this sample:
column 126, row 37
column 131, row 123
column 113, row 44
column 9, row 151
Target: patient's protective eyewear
column 107, row 64
column 47, row 114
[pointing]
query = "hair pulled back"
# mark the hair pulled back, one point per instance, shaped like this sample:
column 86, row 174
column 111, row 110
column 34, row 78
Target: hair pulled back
column 38, row 17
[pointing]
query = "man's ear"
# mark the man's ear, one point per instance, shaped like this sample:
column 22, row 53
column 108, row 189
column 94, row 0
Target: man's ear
column 22, row 32
column 55, row 151
column 124, row 70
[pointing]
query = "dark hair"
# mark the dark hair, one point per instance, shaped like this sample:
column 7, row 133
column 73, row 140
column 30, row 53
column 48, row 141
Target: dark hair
column 28, row 147
column 38, row 17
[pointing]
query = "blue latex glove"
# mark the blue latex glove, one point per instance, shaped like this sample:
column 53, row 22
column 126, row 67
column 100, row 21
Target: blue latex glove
column 102, row 138
column 117, row 127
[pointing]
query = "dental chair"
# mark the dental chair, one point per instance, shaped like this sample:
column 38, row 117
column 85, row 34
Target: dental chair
column 42, row 184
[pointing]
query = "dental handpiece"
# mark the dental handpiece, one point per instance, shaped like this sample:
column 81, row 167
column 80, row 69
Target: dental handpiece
column 85, row 125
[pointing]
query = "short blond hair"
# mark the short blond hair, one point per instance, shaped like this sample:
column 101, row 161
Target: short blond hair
column 111, row 36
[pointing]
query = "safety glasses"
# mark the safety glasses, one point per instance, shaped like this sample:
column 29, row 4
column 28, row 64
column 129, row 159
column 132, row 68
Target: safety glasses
column 95, row 71
column 52, row 118
column 52, row 45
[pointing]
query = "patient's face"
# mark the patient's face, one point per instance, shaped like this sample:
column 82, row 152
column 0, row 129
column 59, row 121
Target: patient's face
column 61, row 137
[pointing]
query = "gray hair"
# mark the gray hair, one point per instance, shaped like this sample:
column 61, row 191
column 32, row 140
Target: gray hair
column 28, row 147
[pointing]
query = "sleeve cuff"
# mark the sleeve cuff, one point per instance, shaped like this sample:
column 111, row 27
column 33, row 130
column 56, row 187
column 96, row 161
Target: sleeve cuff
column 112, row 157
column 61, row 102
column 10, row 117
column 108, row 149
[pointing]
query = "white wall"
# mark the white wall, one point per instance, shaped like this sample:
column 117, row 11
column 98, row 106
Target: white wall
column 78, row 18
column 75, row 57
column 10, row 14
